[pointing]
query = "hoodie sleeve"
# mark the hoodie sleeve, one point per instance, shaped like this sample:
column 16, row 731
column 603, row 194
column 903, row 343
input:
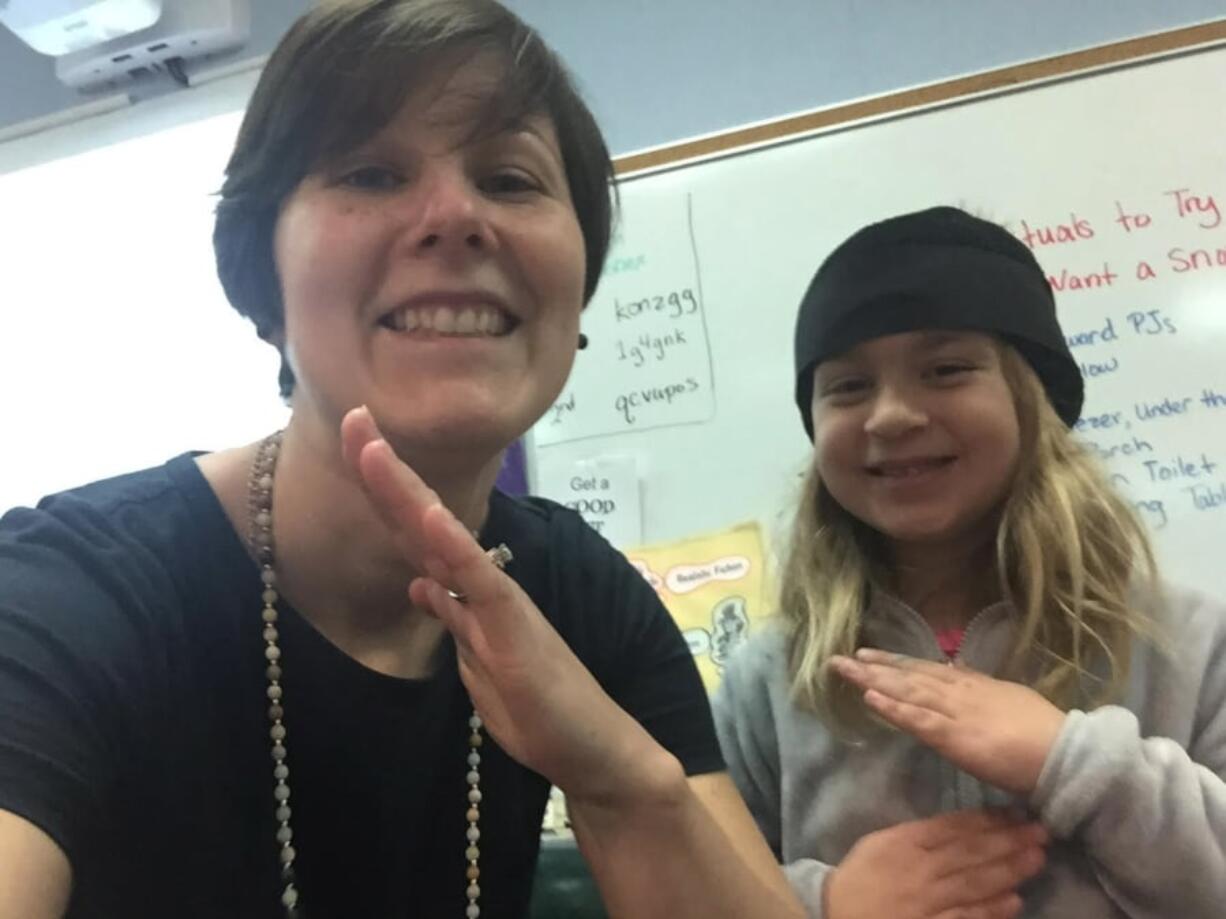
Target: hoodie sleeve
column 745, row 724
column 1150, row 813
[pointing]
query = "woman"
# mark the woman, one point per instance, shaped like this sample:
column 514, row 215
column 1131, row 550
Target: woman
column 288, row 677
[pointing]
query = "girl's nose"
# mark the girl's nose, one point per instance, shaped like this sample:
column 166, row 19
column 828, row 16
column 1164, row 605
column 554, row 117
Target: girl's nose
column 894, row 412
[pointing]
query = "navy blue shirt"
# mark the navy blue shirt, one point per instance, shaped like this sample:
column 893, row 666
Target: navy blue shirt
column 133, row 725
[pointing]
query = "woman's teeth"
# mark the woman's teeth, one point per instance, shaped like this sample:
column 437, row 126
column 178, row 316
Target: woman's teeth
column 444, row 320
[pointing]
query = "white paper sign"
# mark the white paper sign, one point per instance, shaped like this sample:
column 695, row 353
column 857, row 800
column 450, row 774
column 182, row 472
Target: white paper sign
column 605, row 492
column 648, row 361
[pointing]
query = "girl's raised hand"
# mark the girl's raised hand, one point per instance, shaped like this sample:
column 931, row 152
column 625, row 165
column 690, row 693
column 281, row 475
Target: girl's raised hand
column 998, row 731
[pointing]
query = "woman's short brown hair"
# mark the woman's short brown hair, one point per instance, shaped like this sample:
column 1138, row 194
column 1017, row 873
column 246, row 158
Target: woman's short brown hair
column 338, row 76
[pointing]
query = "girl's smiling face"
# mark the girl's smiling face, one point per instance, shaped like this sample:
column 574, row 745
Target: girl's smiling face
column 916, row 434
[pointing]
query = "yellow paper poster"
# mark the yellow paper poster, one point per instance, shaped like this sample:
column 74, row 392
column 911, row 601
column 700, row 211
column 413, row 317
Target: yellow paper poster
column 715, row 587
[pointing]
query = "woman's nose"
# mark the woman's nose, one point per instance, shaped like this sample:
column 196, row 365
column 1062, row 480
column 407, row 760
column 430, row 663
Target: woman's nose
column 449, row 217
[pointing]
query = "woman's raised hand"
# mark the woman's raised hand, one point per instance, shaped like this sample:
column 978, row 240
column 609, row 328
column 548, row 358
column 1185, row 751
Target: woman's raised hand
column 536, row 698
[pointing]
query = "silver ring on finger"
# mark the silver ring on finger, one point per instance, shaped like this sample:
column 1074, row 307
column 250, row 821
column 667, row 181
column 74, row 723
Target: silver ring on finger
column 500, row 555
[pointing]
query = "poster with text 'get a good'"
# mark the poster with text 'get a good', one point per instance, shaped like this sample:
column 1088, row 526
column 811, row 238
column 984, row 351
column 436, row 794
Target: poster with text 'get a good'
column 715, row 587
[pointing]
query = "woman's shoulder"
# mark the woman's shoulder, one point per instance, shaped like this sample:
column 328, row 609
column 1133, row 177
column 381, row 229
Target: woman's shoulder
column 163, row 491
column 112, row 534
column 536, row 516
column 544, row 534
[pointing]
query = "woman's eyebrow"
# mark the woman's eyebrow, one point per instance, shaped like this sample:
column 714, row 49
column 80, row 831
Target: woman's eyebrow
column 526, row 130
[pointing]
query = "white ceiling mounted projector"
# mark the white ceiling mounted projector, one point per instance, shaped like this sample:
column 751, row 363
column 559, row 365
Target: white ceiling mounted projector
column 103, row 44
column 58, row 27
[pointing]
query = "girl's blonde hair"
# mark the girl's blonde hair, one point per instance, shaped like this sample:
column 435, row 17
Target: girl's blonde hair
column 1069, row 550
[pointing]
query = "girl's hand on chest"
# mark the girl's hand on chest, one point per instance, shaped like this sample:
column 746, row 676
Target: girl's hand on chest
column 998, row 731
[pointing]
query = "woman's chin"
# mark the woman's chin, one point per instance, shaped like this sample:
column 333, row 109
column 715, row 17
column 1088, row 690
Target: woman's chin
column 458, row 432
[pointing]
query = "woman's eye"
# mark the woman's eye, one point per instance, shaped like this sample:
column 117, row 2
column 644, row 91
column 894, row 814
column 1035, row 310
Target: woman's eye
column 372, row 178
column 509, row 183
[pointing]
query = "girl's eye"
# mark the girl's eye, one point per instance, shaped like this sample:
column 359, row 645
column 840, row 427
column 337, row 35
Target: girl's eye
column 509, row 183
column 372, row 178
column 950, row 371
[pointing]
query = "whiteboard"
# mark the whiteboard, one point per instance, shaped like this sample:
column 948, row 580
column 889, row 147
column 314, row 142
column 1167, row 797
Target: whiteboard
column 701, row 398
column 118, row 349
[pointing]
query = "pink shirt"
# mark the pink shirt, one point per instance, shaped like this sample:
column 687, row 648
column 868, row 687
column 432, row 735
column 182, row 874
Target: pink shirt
column 950, row 641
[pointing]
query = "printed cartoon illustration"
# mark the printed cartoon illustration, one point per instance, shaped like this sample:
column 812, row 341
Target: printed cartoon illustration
column 713, row 585
column 729, row 628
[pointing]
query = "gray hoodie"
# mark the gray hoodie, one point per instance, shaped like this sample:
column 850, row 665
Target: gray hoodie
column 1134, row 794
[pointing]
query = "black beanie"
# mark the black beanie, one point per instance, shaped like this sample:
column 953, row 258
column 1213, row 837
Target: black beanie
column 934, row 269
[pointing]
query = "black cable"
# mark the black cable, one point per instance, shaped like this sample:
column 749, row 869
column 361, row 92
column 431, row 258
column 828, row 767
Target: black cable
column 174, row 67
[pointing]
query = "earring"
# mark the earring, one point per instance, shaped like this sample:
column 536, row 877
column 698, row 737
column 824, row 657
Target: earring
column 582, row 342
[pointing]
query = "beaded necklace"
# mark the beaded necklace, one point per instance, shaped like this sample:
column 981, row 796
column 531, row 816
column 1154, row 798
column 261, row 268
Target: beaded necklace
column 259, row 506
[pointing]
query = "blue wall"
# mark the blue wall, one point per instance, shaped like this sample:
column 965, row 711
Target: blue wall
column 658, row 71
column 661, row 70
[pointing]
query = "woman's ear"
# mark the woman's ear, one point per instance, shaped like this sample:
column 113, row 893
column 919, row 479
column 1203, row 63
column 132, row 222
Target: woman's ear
column 275, row 336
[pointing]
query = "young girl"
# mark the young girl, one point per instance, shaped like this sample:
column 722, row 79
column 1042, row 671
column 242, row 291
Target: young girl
column 949, row 517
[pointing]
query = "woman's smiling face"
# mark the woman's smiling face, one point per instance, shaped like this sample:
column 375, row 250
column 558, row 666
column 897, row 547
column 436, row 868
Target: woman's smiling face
column 436, row 272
